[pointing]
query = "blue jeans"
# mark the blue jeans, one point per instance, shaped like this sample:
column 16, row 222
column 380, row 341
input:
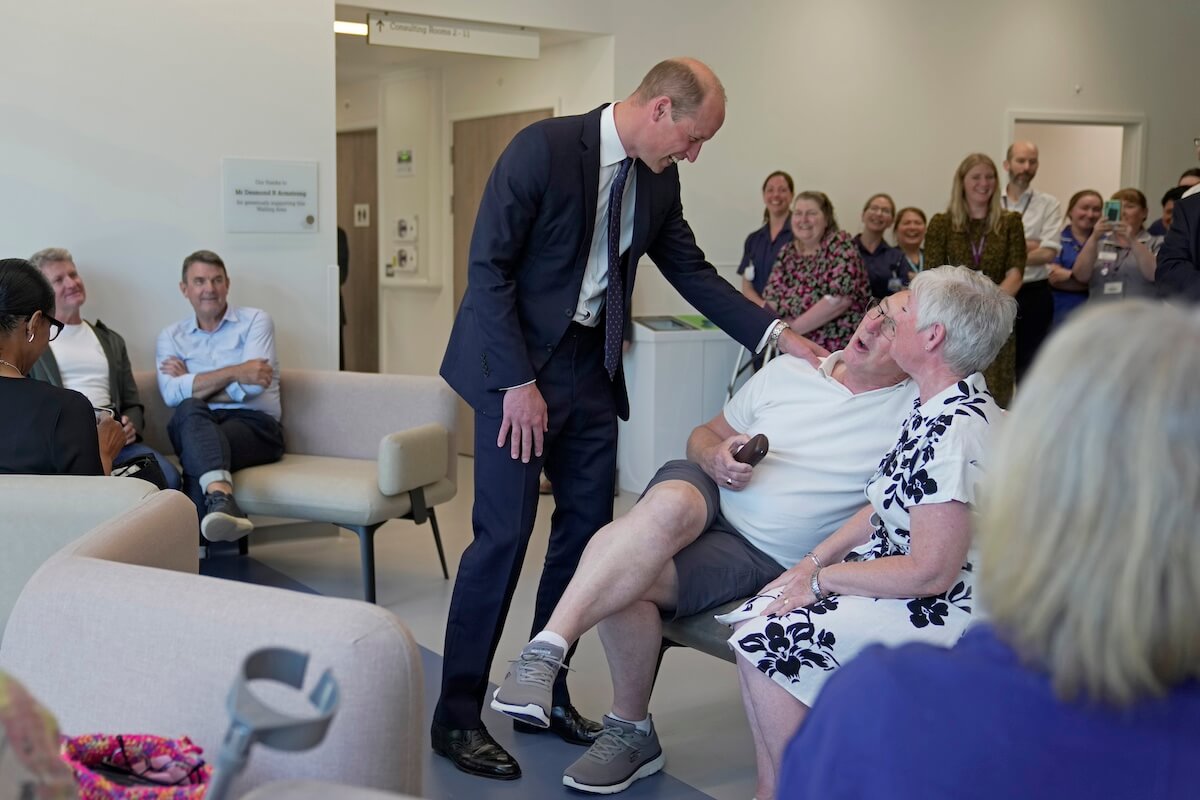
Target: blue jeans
column 221, row 440
column 139, row 449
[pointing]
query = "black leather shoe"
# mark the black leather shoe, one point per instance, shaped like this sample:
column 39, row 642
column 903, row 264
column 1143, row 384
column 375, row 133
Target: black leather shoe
column 475, row 752
column 567, row 724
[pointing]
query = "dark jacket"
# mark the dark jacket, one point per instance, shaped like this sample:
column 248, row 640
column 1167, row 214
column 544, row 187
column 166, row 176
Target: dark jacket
column 529, row 251
column 1178, row 272
column 121, row 388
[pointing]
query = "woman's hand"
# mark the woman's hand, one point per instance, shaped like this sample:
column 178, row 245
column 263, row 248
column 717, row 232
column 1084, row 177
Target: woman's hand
column 112, row 439
column 1121, row 232
column 796, row 593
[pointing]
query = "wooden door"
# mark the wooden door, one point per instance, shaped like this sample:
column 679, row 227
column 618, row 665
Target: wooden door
column 357, row 184
column 477, row 145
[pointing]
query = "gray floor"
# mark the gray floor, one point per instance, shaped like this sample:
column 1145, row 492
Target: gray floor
column 696, row 706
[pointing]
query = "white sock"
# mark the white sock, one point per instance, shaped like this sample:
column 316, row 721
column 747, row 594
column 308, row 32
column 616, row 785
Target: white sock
column 642, row 725
column 550, row 637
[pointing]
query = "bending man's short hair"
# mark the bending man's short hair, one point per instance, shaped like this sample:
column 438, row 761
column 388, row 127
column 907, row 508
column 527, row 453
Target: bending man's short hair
column 680, row 81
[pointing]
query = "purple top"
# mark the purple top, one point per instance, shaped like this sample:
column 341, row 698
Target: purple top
column 761, row 251
column 919, row 721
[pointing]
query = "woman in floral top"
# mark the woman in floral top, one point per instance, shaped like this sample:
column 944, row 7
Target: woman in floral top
column 900, row 569
column 819, row 284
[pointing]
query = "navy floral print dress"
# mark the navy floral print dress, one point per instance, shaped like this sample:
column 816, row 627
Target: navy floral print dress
column 937, row 459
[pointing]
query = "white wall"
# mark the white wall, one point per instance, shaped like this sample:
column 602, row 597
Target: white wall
column 1074, row 157
column 357, row 105
column 116, row 118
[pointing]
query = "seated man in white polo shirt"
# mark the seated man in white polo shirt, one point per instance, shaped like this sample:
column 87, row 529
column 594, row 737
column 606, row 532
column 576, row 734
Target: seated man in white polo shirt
column 712, row 529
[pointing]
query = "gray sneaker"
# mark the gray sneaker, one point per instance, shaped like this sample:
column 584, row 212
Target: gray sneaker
column 223, row 521
column 621, row 755
column 526, row 693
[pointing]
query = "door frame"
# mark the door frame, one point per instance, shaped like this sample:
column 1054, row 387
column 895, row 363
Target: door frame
column 375, row 209
column 1133, row 141
column 444, row 211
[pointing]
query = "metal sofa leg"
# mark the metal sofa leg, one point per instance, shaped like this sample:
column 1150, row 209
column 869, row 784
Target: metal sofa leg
column 421, row 512
column 366, row 547
column 437, row 539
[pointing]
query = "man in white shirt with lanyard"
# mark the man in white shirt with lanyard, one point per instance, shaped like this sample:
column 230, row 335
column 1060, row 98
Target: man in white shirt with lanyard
column 1042, row 216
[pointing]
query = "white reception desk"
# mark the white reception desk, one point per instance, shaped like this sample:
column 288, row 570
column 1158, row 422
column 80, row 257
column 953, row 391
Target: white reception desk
column 677, row 373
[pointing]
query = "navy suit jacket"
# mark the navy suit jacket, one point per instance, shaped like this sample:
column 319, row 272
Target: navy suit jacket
column 530, row 247
column 1178, row 272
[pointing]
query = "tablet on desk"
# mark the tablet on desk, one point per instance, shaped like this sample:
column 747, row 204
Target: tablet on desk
column 663, row 324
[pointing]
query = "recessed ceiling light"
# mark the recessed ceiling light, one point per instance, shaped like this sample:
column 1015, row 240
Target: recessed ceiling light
column 350, row 28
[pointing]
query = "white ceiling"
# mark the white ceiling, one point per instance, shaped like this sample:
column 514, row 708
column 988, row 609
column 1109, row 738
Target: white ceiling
column 358, row 61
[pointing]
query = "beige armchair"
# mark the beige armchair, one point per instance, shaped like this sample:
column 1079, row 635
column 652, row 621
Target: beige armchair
column 360, row 449
column 116, row 633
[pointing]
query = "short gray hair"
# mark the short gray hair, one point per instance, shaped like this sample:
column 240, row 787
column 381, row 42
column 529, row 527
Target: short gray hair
column 50, row 255
column 1089, row 562
column 976, row 315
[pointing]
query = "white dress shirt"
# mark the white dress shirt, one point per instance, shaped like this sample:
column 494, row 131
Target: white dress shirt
column 595, row 275
column 1042, row 216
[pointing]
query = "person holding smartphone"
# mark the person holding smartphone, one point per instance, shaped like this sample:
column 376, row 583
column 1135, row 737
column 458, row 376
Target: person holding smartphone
column 1119, row 259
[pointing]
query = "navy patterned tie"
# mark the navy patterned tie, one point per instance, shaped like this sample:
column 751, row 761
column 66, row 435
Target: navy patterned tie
column 614, row 298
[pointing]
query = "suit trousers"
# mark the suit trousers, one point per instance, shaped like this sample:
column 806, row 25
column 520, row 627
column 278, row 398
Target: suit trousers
column 230, row 439
column 579, row 457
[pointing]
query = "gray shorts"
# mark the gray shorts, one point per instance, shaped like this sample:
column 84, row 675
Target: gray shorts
column 720, row 565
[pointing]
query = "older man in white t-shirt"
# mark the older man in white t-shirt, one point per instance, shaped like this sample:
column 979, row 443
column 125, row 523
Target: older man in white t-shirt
column 92, row 359
column 712, row 529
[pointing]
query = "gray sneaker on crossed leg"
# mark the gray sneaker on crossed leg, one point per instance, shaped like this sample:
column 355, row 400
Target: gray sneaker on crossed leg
column 622, row 755
column 527, row 691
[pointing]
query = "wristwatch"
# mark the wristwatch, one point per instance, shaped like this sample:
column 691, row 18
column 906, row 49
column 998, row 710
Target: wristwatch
column 776, row 332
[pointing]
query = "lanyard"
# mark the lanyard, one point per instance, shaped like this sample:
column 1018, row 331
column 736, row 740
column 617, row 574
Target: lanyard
column 977, row 249
column 1024, row 208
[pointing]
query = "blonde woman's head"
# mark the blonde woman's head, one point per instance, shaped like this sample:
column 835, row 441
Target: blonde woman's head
column 1090, row 559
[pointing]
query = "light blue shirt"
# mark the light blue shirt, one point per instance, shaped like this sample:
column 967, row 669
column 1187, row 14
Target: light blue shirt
column 244, row 333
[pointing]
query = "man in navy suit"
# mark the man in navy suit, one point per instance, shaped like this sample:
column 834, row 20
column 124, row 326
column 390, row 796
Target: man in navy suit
column 570, row 208
column 1178, row 272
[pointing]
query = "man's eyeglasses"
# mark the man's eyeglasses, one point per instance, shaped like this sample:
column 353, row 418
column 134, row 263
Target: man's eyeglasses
column 887, row 326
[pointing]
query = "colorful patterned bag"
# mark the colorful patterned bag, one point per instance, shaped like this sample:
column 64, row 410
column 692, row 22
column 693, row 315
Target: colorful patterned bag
column 136, row 767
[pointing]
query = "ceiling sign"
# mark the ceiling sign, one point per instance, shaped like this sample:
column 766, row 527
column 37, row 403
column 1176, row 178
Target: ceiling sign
column 452, row 35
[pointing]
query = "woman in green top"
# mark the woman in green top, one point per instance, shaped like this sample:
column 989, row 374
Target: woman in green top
column 975, row 232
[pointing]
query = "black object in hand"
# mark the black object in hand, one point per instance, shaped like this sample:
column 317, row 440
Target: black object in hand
column 752, row 451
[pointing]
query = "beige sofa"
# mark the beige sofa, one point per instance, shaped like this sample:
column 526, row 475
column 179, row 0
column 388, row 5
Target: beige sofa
column 360, row 449
column 115, row 632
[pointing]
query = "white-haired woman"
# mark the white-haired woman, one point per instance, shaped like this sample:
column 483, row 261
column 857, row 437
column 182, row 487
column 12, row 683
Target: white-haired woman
column 1084, row 681
column 899, row 570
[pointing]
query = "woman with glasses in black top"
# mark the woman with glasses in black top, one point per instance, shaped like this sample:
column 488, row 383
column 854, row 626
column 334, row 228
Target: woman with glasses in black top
column 45, row 430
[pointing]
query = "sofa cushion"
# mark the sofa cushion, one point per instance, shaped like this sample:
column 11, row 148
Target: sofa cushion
column 324, row 489
column 41, row 513
column 412, row 458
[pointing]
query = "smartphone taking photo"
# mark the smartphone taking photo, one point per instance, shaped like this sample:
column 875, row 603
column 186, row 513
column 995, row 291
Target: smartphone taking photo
column 1112, row 211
